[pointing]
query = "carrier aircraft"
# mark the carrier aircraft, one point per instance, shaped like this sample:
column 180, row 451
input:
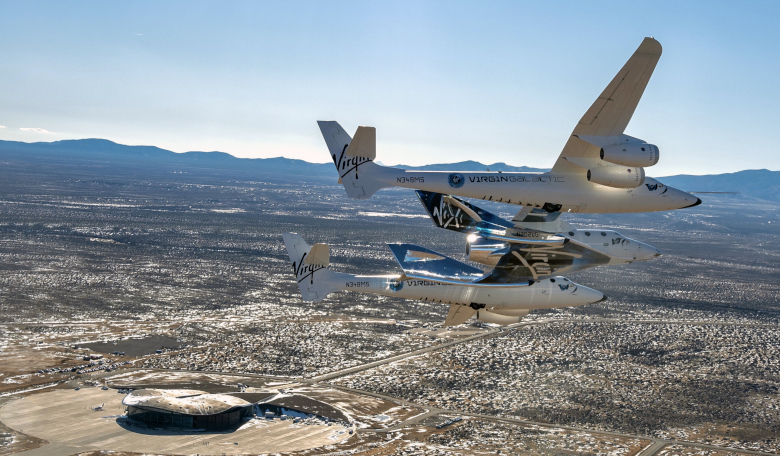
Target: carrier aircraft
column 500, row 296
column 600, row 170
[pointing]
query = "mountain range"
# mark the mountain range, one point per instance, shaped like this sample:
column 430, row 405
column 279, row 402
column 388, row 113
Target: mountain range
column 762, row 183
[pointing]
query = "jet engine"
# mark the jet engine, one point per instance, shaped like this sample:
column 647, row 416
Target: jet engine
column 631, row 154
column 484, row 251
column 490, row 317
column 617, row 176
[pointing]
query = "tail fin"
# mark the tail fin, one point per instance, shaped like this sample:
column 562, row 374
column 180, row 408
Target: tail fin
column 354, row 158
column 310, row 264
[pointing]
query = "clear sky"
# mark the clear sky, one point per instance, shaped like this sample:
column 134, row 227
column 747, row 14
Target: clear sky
column 442, row 81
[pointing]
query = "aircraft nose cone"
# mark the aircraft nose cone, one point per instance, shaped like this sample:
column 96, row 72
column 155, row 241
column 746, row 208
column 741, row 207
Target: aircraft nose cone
column 678, row 199
column 589, row 295
column 698, row 201
column 644, row 251
column 603, row 298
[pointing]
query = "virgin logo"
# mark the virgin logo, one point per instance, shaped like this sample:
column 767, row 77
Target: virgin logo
column 303, row 271
column 345, row 163
column 445, row 215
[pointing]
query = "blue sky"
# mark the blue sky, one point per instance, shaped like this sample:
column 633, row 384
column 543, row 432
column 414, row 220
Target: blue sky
column 441, row 81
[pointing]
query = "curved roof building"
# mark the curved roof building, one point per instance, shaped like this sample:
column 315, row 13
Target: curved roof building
column 189, row 409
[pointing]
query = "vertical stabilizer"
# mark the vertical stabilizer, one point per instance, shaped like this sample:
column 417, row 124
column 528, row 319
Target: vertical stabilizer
column 310, row 265
column 354, row 158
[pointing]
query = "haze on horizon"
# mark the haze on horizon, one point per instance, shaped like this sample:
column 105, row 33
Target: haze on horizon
column 442, row 81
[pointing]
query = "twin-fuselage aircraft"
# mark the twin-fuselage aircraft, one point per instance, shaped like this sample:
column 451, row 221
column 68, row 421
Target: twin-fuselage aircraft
column 600, row 170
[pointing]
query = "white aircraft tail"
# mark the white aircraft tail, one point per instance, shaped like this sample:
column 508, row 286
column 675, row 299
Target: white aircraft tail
column 354, row 158
column 310, row 264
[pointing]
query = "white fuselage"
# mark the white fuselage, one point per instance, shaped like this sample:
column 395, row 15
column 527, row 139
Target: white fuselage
column 543, row 294
column 572, row 192
column 618, row 248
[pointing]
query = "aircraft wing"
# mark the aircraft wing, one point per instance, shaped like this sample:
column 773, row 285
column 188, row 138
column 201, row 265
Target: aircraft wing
column 458, row 315
column 610, row 113
column 532, row 261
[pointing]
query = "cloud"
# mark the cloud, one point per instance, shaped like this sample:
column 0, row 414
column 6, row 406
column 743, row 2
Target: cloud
column 140, row 34
column 36, row 130
column 2, row 126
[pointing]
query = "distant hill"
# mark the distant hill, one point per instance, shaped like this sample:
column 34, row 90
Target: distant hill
column 757, row 183
column 472, row 165
column 761, row 183
column 106, row 151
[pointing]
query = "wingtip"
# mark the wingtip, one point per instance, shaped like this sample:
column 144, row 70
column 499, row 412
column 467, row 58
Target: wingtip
column 650, row 46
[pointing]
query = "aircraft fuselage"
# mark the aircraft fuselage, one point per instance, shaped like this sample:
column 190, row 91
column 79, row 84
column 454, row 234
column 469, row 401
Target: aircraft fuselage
column 543, row 294
column 550, row 191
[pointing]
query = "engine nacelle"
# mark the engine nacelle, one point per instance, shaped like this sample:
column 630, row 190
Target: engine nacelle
column 617, row 176
column 631, row 154
column 484, row 251
column 490, row 317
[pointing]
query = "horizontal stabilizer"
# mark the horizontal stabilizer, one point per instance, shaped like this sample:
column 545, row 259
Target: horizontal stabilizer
column 458, row 315
column 363, row 144
column 318, row 255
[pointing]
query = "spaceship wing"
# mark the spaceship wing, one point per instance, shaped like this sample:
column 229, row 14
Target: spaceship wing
column 534, row 261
